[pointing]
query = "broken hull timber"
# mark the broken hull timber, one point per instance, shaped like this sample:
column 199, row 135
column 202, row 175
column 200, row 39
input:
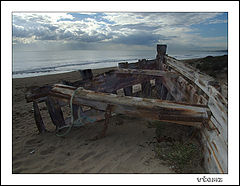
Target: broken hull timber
column 195, row 87
column 215, row 140
column 185, row 97
column 162, row 110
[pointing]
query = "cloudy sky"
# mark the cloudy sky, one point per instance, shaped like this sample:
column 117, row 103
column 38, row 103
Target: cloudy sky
column 119, row 31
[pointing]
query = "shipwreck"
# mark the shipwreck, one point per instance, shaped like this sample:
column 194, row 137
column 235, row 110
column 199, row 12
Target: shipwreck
column 184, row 97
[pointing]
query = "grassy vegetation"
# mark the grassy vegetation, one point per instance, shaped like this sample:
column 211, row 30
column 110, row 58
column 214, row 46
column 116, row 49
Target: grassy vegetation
column 212, row 65
column 177, row 148
column 179, row 155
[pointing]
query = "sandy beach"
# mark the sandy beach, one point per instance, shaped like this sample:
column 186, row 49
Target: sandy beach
column 127, row 148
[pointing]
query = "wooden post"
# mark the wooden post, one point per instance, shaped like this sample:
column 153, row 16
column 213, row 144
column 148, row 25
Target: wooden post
column 86, row 74
column 146, row 88
column 161, row 52
column 158, row 85
column 55, row 112
column 128, row 91
column 168, row 97
column 38, row 118
column 76, row 109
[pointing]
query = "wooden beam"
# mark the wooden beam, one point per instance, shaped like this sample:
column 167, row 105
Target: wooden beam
column 148, row 108
column 76, row 109
column 158, row 85
column 128, row 91
column 55, row 112
column 114, row 82
column 37, row 94
column 164, row 92
column 143, row 64
column 153, row 73
column 174, row 90
column 38, row 118
column 146, row 89
column 168, row 97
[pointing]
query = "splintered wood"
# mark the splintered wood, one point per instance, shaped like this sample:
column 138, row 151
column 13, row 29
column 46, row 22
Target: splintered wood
column 180, row 113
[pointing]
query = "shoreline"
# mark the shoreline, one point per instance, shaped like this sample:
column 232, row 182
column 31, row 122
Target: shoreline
column 53, row 78
column 133, row 61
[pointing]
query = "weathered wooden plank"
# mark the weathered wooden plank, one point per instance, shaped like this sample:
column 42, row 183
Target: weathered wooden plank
column 37, row 94
column 171, row 98
column 141, row 64
column 38, row 118
column 164, row 92
column 158, row 85
column 149, row 108
column 218, row 148
column 55, row 112
column 210, row 163
column 219, row 115
column 222, row 130
column 200, row 80
column 217, row 162
column 153, row 73
column 128, row 91
column 146, row 89
column 215, row 141
column 177, row 93
column 188, row 72
column 77, row 109
column 116, row 82
column 168, row 97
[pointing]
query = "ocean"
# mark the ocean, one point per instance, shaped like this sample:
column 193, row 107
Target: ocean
column 37, row 63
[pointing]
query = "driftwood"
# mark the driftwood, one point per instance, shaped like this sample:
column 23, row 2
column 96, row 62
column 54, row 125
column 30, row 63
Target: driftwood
column 38, row 118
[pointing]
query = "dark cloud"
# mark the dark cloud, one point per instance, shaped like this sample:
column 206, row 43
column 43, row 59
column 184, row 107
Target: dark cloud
column 94, row 38
column 139, row 26
column 141, row 38
column 46, row 36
